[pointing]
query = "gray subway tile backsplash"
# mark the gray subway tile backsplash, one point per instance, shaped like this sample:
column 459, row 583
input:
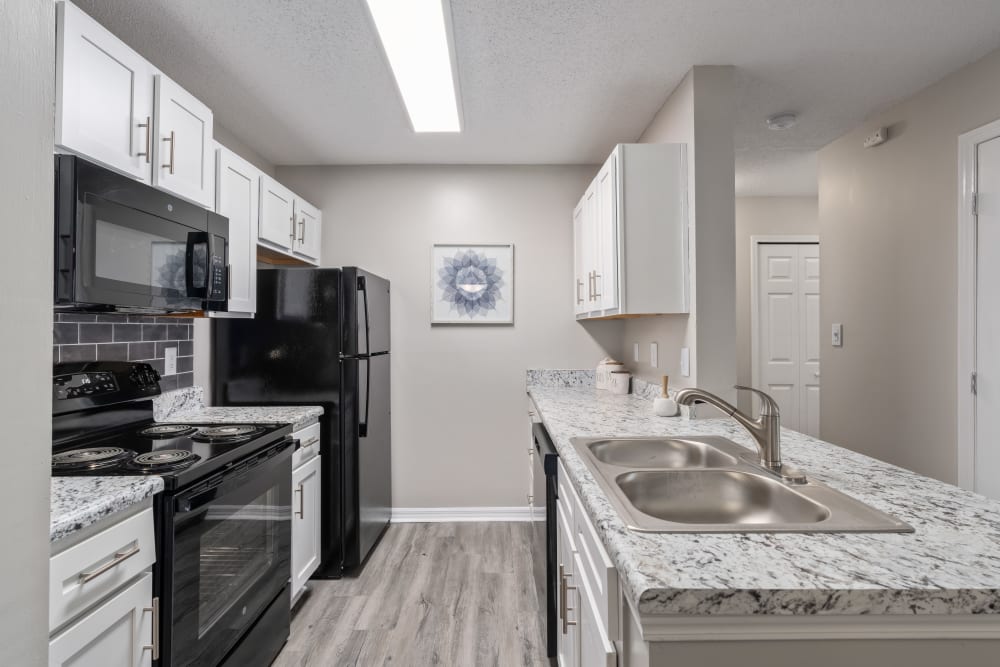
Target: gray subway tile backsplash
column 84, row 337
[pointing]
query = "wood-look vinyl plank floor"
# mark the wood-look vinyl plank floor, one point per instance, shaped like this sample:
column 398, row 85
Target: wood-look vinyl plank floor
column 450, row 594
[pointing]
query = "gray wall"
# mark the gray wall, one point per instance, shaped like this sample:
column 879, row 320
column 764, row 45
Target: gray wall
column 761, row 216
column 459, row 409
column 27, row 79
column 700, row 113
column 888, row 229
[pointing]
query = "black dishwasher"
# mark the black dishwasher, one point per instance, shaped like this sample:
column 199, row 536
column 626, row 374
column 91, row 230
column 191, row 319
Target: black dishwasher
column 544, row 539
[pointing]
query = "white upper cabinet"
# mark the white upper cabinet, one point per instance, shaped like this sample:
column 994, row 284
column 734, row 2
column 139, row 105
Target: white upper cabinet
column 237, row 197
column 183, row 157
column 104, row 100
column 277, row 214
column 309, row 228
column 631, row 234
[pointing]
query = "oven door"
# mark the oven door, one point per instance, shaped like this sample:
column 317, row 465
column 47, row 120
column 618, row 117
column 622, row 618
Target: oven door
column 231, row 557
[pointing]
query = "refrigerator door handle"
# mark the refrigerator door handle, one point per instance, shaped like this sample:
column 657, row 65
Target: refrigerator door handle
column 363, row 424
column 363, row 288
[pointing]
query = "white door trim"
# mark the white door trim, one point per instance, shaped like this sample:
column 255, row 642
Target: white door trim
column 966, row 316
column 755, row 243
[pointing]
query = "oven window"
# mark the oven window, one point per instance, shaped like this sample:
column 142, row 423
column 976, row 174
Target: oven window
column 235, row 551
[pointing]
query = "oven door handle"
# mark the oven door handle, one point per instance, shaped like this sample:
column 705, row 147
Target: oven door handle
column 233, row 478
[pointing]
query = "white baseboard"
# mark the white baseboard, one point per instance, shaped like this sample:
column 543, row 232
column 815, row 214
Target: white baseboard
column 452, row 514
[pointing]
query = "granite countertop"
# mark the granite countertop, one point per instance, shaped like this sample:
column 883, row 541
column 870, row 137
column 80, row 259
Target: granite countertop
column 78, row 502
column 187, row 405
column 950, row 565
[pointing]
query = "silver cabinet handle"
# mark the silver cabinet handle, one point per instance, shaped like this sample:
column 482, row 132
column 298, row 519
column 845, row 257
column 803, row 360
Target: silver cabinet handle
column 579, row 297
column 302, row 502
column 292, row 235
column 564, row 598
column 302, row 230
column 149, row 138
column 597, row 276
column 309, row 443
column 590, row 286
column 155, row 646
column 173, row 142
column 120, row 557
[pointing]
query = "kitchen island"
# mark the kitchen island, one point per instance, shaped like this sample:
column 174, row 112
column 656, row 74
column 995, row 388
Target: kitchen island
column 695, row 598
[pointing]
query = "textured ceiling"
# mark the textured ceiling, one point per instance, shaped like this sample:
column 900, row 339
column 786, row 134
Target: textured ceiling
column 554, row 81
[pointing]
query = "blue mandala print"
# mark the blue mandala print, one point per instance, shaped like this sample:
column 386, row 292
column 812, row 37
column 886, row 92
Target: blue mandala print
column 470, row 283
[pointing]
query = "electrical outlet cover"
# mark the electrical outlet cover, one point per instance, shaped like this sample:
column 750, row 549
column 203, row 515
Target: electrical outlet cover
column 170, row 361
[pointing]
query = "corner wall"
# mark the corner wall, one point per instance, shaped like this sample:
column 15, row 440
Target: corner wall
column 459, row 420
column 888, row 228
column 27, row 78
column 700, row 113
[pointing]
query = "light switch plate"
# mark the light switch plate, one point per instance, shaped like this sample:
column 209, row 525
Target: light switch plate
column 686, row 362
column 635, row 351
column 170, row 361
column 654, row 360
column 837, row 335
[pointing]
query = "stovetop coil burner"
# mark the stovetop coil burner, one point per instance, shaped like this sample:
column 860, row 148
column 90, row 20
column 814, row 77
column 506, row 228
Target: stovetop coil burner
column 90, row 458
column 159, row 431
column 163, row 460
column 227, row 433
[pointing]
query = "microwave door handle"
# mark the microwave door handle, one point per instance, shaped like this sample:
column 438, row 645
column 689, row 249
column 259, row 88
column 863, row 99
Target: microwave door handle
column 192, row 239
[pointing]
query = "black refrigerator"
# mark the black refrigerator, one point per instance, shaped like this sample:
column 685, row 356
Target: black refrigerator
column 321, row 337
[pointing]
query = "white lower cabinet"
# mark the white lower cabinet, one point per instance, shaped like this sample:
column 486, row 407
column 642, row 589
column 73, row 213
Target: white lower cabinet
column 588, row 587
column 118, row 633
column 102, row 612
column 306, row 507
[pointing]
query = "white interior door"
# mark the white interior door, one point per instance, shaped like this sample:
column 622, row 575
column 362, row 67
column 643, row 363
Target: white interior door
column 987, row 457
column 787, row 335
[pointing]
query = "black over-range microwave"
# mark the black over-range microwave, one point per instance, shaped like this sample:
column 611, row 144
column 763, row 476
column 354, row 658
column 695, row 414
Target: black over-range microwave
column 123, row 246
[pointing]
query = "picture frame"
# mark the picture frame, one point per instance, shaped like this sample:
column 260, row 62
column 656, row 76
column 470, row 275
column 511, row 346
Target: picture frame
column 472, row 283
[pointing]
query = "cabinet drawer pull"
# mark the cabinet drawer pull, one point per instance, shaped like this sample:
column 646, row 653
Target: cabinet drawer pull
column 149, row 138
column 579, row 287
column 564, row 590
column 302, row 502
column 120, row 557
column 155, row 646
column 173, row 141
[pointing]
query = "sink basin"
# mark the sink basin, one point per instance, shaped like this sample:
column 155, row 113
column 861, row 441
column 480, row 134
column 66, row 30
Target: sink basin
column 718, row 497
column 659, row 453
column 709, row 484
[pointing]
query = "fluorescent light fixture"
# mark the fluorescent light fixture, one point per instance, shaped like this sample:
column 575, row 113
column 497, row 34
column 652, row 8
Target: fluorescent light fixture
column 414, row 36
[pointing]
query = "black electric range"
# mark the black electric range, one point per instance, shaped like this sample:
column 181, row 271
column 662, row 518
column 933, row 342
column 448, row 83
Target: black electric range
column 223, row 522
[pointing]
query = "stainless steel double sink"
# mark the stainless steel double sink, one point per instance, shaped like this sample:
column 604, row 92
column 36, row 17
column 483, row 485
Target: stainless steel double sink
column 709, row 484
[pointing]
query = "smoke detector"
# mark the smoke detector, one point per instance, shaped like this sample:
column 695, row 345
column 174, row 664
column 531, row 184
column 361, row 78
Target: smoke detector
column 782, row 121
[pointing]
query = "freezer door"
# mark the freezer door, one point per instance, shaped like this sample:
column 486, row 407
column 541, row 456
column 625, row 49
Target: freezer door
column 367, row 318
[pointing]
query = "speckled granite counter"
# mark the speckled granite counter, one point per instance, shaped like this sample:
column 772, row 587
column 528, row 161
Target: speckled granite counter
column 186, row 405
column 951, row 565
column 78, row 502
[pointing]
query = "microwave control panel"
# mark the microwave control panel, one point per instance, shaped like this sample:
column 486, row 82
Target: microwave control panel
column 217, row 285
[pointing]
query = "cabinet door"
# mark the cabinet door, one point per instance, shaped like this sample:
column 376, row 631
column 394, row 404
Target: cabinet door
column 579, row 273
column 119, row 633
column 277, row 214
column 595, row 649
column 308, row 230
column 606, row 227
column 568, row 604
column 104, row 95
column 184, row 161
column 590, row 247
column 236, row 197
column 305, row 522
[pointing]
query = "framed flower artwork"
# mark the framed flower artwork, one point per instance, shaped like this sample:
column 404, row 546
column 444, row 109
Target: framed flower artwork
column 472, row 284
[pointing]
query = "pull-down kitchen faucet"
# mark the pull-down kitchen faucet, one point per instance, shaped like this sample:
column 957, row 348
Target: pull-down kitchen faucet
column 766, row 429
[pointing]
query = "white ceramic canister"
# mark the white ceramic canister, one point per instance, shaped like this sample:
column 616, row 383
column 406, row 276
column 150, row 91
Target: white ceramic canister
column 619, row 382
column 604, row 370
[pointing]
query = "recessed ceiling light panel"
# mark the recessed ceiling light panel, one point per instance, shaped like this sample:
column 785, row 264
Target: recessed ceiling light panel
column 782, row 121
column 414, row 35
